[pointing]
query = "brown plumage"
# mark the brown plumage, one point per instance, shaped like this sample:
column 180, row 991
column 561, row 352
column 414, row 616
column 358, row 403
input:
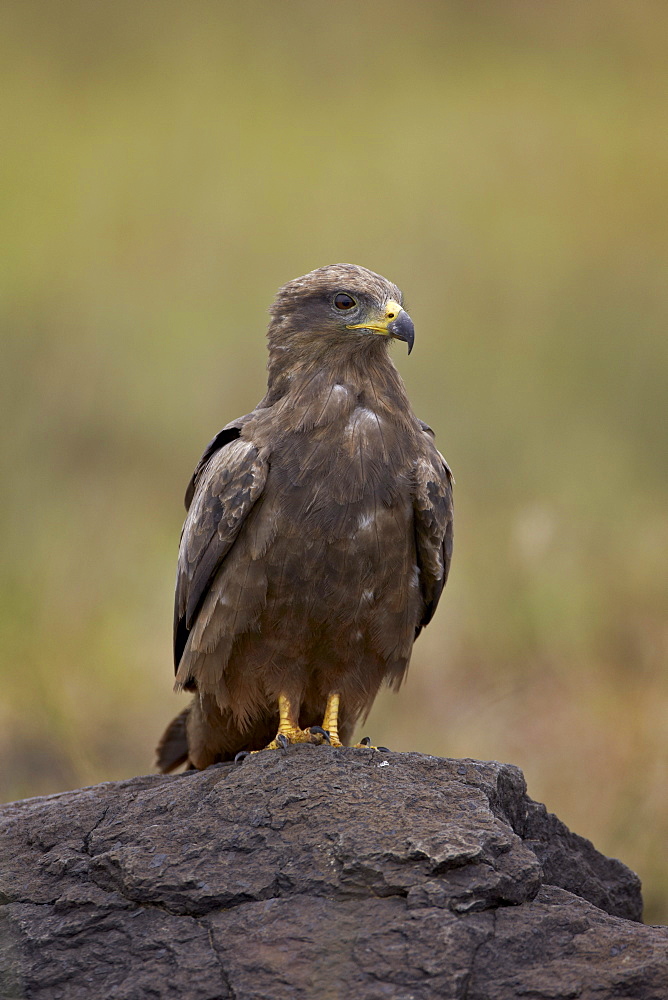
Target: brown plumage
column 318, row 536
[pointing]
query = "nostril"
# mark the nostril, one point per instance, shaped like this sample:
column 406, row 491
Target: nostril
column 390, row 315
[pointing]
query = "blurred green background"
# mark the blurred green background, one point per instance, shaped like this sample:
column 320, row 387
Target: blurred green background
column 165, row 167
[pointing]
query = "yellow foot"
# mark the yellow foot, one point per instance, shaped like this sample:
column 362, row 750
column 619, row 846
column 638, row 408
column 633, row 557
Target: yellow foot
column 365, row 744
column 316, row 736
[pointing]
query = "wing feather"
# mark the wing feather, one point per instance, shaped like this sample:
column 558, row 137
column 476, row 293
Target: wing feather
column 230, row 432
column 227, row 483
column 433, row 510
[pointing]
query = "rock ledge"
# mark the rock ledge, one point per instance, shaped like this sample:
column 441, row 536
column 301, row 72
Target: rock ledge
column 316, row 872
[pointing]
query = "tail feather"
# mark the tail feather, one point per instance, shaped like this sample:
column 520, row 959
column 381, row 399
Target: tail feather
column 172, row 750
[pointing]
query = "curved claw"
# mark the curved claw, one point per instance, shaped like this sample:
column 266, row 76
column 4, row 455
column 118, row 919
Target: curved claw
column 241, row 756
column 319, row 731
column 282, row 741
column 366, row 744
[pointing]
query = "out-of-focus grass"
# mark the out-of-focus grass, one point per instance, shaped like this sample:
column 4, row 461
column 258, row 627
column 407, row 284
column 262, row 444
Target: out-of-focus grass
column 165, row 167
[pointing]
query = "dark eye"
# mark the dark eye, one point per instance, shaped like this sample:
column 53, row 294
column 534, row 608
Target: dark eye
column 344, row 301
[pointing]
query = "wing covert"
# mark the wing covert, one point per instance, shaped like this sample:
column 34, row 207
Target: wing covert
column 226, row 485
column 433, row 509
column 230, row 432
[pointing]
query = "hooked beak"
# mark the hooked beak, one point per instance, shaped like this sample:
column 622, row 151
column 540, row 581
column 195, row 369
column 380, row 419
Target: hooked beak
column 395, row 323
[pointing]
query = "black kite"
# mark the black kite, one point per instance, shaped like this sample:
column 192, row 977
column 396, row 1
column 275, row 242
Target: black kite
column 318, row 535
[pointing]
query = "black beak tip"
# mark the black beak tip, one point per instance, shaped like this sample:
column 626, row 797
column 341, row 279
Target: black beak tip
column 402, row 329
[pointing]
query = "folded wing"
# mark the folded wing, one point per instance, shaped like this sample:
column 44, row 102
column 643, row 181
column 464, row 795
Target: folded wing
column 227, row 482
column 433, row 511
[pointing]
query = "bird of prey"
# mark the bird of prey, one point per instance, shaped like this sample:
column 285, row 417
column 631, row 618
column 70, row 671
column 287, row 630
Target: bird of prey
column 318, row 536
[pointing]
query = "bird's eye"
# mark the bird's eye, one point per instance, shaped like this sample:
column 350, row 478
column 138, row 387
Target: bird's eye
column 344, row 301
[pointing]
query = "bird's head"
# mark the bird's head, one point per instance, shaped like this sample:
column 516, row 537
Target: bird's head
column 337, row 305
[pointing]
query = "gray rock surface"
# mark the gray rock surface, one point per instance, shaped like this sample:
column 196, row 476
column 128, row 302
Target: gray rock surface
column 316, row 872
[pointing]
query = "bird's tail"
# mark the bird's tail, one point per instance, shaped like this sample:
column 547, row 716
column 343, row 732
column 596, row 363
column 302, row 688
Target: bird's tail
column 172, row 750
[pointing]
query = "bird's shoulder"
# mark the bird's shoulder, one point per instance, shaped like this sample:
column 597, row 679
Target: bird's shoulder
column 431, row 452
column 217, row 456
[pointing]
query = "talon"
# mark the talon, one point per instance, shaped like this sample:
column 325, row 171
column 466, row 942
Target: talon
column 366, row 744
column 290, row 734
column 241, row 756
column 319, row 731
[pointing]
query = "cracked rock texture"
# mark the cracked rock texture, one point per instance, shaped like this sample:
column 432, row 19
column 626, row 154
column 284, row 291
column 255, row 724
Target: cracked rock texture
column 316, row 872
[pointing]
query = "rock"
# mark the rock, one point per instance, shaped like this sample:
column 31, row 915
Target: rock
column 316, row 872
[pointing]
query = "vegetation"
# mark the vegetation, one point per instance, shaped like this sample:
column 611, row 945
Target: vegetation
column 165, row 167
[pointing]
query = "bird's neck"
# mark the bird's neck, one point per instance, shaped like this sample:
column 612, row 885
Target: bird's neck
column 366, row 370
